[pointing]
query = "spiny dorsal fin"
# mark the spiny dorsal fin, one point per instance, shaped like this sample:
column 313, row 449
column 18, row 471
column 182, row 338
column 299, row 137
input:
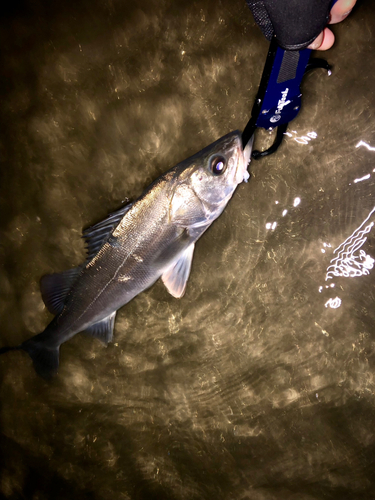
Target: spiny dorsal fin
column 176, row 276
column 95, row 236
column 55, row 288
column 103, row 330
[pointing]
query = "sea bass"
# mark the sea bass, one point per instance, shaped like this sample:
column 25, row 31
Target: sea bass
column 130, row 250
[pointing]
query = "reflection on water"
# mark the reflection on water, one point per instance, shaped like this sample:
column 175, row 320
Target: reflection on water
column 333, row 303
column 304, row 139
column 273, row 225
column 363, row 143
column 351, row 261
column 255, row 385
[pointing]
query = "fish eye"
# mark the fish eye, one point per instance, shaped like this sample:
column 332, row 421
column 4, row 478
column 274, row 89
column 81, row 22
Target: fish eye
column 218, row 165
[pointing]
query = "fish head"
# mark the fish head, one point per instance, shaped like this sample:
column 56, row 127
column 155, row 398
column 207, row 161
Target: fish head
column 219, row 168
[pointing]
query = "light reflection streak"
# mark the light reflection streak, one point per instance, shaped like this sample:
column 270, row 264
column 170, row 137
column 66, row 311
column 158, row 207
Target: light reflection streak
column 347, row 263
column 363, row 143
column 364, row 178
column 303, row 139
column 333, row 303
column 272, row 225
column 350, row 261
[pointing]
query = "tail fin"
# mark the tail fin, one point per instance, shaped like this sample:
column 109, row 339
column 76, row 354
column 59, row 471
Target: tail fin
column 3, row 350
column 46, row 360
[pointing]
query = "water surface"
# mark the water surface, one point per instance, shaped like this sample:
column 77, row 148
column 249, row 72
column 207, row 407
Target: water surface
column 259, row 383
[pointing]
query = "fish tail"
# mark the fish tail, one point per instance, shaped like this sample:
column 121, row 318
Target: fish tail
column 3, row 350
column 45, row 359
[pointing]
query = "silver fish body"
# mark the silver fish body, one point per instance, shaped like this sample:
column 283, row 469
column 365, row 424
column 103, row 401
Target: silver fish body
column 153, row 237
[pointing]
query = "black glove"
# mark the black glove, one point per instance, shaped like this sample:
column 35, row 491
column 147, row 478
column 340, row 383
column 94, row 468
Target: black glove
column 296, row 23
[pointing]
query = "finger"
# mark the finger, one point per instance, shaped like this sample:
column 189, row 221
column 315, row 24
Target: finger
column 324, row 41
column 341, row 10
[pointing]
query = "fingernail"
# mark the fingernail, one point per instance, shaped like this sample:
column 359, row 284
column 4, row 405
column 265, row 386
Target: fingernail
column 348, row 3
column 315, row 44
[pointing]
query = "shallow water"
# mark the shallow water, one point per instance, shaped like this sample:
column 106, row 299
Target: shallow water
column 259, row 383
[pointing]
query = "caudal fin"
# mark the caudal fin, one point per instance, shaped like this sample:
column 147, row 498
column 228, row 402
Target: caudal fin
column 46, row 360
column 3, row 350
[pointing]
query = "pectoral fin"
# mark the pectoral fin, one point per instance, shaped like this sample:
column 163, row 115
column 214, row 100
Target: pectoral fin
column 103, row 330
column 176, row 276
column 163, row 256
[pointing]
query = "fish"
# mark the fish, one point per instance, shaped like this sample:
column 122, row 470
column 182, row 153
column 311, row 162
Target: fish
column 153, row 237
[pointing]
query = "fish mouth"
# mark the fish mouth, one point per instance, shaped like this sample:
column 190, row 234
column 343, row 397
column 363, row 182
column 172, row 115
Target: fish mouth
column 244, row 161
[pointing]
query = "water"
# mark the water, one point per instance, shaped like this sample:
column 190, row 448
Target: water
column 259, row 383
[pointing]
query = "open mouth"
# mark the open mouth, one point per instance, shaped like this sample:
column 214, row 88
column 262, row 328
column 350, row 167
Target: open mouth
column 246, row 159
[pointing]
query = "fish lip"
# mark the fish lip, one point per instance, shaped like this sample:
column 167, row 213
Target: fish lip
column 246, row 155
column 244, row 158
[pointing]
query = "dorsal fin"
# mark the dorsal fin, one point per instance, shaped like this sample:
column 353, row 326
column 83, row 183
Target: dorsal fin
column 55, row 288
column 95, row 236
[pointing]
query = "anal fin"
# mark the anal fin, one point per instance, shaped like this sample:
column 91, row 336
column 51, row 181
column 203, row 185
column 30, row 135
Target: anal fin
column 103, row 330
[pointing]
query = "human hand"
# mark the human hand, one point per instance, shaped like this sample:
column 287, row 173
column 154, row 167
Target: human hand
column 299, row 24
column 339, row 12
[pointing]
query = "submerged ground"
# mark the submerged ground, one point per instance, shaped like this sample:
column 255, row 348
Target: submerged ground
column 259, row 383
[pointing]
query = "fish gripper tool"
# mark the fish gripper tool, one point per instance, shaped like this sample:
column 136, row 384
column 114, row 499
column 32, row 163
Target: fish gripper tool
column 278, row 100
